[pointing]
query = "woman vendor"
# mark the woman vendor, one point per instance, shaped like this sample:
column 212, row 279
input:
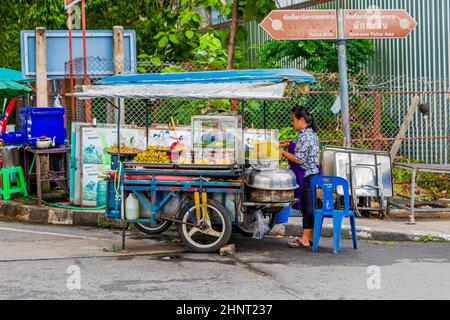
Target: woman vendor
column 303, row 157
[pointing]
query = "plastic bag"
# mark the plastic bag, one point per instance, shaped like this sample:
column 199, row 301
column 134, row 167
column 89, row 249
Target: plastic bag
column 336, row 105
column 57, row 102
column 259, row 227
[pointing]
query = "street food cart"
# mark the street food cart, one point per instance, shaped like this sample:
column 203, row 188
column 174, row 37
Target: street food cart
column 209, row 185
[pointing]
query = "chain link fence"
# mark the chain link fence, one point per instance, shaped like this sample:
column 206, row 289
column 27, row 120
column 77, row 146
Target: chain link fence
column 378, row 106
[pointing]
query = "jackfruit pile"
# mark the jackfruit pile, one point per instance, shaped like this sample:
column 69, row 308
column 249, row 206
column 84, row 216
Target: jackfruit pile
column 123, row 149
column 151, row 155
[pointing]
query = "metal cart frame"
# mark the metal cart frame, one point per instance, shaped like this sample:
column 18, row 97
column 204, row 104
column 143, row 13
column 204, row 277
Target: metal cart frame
column 204, row 180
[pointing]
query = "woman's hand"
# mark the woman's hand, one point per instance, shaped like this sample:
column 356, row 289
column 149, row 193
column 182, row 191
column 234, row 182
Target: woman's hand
column 291, row 157
column 284, row 153
column 285, row 143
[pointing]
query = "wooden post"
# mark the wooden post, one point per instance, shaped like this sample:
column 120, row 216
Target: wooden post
column 401, row 134
column 119, row 56
column 41, row 97
column 41, row 68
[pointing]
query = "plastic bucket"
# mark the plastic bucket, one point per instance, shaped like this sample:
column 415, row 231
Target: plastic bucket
column 283, row 215
column 10, row 156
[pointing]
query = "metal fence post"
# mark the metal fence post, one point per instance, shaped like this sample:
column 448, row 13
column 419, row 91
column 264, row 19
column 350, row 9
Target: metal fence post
column 412, row 219
column 377, row 120
column 343, row 80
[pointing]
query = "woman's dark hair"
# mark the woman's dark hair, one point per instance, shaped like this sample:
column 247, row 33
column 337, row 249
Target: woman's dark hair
column 302, row 112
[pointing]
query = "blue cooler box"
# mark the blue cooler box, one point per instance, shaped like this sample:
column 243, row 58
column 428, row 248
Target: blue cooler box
column 43, row 121
column 14, row 137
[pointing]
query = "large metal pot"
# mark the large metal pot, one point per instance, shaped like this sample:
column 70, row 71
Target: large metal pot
column 273, row 196
column 271, row 185
column 278, row 179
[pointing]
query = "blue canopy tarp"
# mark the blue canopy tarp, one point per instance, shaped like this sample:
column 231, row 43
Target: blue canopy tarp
column 258, row 84
column 225, row 76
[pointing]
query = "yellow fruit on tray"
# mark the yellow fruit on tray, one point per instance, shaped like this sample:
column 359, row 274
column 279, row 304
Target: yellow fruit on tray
column 184, row 161
column 152, row 156
column 123, row 149
column 201, row 161
column 223, row 161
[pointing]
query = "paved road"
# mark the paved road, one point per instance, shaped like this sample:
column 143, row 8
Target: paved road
column 261, row 269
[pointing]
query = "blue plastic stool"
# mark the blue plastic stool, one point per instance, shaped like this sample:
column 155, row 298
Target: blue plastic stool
column 328, row 184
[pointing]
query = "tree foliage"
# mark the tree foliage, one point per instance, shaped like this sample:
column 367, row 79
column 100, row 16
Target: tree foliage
column 319, row 55
column 247, row 10
column 23, row 15
column 165, row 29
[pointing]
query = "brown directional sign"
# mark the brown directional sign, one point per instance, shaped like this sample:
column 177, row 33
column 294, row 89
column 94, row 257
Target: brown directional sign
column 301, row 24
column 70, row 3
column 377, row 24
column 322, row 24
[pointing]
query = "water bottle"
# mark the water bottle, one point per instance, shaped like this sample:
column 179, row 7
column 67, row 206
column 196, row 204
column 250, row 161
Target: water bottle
column 131, row 207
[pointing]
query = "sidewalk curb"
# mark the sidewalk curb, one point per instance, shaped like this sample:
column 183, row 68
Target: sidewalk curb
column 14, row 211
column 363, row 233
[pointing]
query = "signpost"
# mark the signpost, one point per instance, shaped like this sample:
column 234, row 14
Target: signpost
column 341, row 25
column 71, row 3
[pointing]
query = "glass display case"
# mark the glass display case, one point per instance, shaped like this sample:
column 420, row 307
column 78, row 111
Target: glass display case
column 262, row 148
column 217, row 139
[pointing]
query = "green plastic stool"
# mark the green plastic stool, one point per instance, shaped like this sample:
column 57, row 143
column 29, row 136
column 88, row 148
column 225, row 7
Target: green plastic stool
column 6, row 190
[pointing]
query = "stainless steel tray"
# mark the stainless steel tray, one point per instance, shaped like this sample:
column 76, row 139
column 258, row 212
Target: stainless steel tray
column 366, row 170
column 150, row 165
column 122, row 154
column 206, row 166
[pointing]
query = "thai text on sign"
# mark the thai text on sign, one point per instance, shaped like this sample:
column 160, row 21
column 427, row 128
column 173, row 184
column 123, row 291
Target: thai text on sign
column 378, row 24
column 301, row 24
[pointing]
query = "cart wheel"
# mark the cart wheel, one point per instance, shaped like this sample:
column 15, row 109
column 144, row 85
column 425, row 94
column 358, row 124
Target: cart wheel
column 158, row 227
column 212, row 235
column 269, row 218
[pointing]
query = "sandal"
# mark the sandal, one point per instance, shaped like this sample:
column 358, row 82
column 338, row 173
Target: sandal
column 298, row 244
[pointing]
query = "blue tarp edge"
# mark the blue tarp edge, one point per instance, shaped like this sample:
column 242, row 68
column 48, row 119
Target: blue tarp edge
column 225, row 76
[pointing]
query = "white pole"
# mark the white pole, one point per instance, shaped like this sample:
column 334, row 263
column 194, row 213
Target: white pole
column 343, row 79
